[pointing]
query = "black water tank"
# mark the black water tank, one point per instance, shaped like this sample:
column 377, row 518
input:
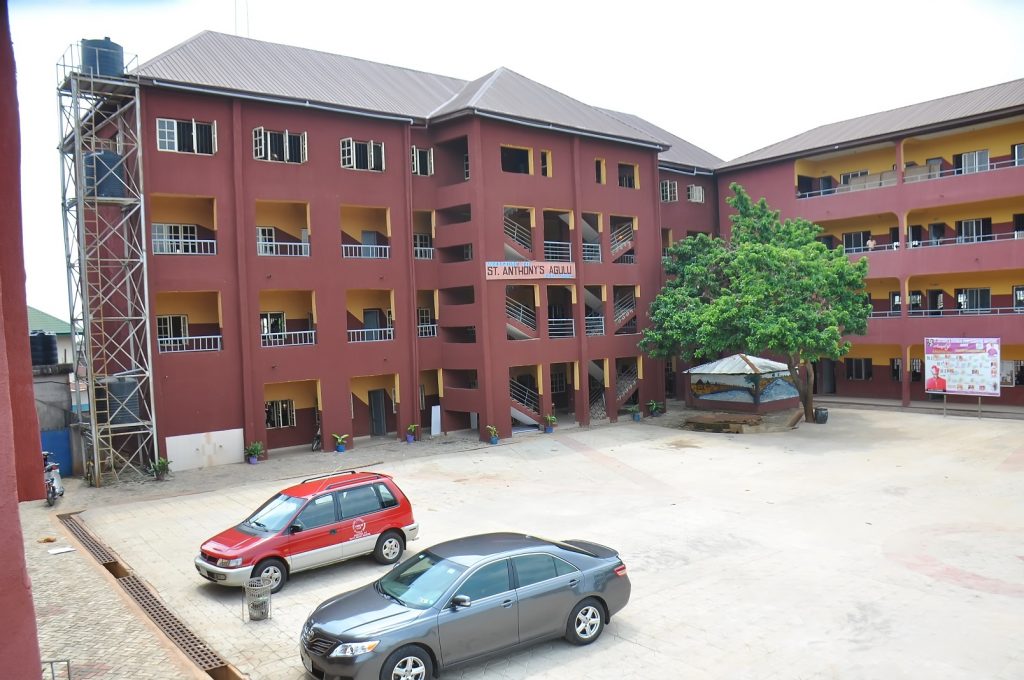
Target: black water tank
column 104, row 174
column 44, row 348
column 102, row 58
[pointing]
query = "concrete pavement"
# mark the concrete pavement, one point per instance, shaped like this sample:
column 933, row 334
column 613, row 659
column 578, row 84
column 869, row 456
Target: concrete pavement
column 882, row 545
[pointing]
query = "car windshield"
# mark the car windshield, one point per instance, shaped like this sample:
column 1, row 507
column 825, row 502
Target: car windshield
column 275, row 514
column 420, row 581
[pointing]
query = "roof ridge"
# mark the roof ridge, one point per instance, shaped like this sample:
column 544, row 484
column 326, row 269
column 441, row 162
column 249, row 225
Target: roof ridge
column 495, row 74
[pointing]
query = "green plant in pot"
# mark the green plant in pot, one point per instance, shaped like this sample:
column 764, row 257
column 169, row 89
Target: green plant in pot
column 654, row 407
column 410, row 433
column 254, row 451
column 634, row 410
column 159, row 468
column 493, row 432
column 550, row 420
column 339, row 442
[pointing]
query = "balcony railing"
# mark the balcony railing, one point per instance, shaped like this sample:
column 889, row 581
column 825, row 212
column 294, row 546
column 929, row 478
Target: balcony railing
column 967, row 312
column 521, row 394
column 921, row 173
column 868, row 249
column 371, row 335
column 561, row 328
column 288, row 338
column 595, row 325
column 423, row 253
column 179, row 246
column 626, row 258
column 194, row 343
column 519, row 312
column 426, row 330
column 624, row 307
column 862, row 183
column 282, row 249
column 365, row 252
column 591, row 252
column 518, row 233
column 626, row 381
column 964, row 240
column 557, row 251
column 621, row 237
column 884, row 314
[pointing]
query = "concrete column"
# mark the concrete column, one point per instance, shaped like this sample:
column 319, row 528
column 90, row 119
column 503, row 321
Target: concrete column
column 905, row 378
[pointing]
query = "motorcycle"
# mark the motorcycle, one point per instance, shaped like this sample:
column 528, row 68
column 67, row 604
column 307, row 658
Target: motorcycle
column 51, row 477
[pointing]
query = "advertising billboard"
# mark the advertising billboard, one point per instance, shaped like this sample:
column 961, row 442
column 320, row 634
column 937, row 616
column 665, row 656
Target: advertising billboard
column 967, row 366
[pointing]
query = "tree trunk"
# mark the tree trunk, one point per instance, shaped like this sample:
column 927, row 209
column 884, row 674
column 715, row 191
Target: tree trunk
column 803, row 383
column 809, row 397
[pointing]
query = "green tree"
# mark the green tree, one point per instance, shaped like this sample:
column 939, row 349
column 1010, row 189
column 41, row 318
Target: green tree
column 772, row 288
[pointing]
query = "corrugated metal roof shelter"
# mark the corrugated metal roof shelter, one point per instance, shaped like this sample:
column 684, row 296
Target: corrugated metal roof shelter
column 739, row 364
column 41, row 321
column 979, row 105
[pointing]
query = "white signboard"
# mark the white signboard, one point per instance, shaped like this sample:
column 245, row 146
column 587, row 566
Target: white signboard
column 967, row 366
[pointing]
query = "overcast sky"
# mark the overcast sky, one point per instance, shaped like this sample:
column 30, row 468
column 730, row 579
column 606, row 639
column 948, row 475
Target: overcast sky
column 729, row 76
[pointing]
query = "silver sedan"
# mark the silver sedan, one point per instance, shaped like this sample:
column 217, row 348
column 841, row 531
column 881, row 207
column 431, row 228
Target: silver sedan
column 462, row 601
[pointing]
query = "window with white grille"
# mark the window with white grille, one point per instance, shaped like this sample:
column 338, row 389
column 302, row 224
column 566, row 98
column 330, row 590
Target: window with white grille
column 186, row 136
column 422, row 162
column 669, row 191
column 280, row 146
column 172, row 326
column 424, row 316
column 858, row 369
column 174, row 238
column 974, row 161
column 358, row 155
column 280, row 413
column 695, row 193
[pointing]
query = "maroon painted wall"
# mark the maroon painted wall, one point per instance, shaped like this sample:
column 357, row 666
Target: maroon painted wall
column 20, row 477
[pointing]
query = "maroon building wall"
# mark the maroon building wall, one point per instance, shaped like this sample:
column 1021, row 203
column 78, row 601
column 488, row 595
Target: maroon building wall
column 21, row 476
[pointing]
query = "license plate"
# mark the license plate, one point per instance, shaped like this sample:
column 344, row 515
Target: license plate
column 307, row 663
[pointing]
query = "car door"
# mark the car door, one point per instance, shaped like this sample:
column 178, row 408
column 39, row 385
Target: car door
column 547, row 588
column 488, row 624
column 360, row 517
column 316, row 540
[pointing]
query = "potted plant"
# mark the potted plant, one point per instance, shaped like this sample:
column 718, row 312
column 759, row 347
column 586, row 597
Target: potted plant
column 410, row 433
column 634, row 410
column 339, row 442
column 654, row 407
column 493, row 432
column 253, row 452
column 549, row 423
column 159, row 468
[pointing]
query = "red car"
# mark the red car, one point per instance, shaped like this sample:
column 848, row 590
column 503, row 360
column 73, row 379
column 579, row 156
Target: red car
column 323, row 520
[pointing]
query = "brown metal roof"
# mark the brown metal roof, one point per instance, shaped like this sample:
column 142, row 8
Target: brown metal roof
column 229, row 62
column 976, row 104
column 681, row 152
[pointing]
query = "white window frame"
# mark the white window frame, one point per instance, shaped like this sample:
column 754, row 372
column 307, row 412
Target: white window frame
column 418, row 167
column 422, row 240
column 669, row 191
column 168, row 238
column 373, row 149
column 261, row 145
column 265, row 240
column 845, row 177
column 1018, row 154
column 558, row 383
column 424, row 316
column 974, row 161
column 283, row 411
column 165, row 137
column 695, row 193
column 165, row 325
column 465, row 166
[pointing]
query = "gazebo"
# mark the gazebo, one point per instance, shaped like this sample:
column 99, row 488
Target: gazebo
column 741, row 383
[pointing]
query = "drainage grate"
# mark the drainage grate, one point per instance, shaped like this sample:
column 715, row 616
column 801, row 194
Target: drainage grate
column 95, row 548
column 171, row 625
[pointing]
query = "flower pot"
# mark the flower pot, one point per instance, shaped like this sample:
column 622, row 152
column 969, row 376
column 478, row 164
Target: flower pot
column 548, row 429
column 494, row 440
column 410, row 438
column 252, row 460
column 637, row 417
column 340, row 448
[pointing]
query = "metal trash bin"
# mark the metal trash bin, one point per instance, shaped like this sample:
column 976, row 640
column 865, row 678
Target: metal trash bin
column 257, row 598
column 821, row 416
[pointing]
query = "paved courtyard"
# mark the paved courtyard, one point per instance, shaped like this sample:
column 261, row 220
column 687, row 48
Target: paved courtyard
column 882, row 545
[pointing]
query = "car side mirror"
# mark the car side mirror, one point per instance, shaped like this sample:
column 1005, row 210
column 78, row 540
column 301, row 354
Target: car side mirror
column 461, row 601
column 295, row 528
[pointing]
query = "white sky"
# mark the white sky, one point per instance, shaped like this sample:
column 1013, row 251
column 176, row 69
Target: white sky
column 729, row 76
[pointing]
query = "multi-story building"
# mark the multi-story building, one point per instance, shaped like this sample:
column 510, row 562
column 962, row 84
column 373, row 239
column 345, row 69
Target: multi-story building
column 933, row 195
column 339, row 240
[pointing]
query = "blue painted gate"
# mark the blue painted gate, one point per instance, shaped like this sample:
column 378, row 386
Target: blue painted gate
column 58, row 443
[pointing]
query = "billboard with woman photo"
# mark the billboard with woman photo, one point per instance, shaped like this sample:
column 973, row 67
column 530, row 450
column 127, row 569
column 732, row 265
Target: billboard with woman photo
column 967, row 366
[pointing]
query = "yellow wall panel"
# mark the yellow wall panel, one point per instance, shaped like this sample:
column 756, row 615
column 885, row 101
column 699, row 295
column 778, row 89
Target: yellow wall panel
column 430, row 381
column 879, row 354
column 182, row 210
column 358, row 300
column 363, row 385
column 355, row 219
column 296, row 304
column 302, row 392
column 874, row 161
column 998, row 140
column 198, row 307
column 285, row 215
column 1001, row 282
column 1001, row 212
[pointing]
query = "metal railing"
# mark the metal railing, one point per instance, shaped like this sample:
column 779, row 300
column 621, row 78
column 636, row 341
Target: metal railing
column 627, row 328
column 56, row 670
column 596, row 394
column 594, row 325
column 288, row 338
column 282, row 248
column 886, row 314
column 194, row 343
column 998, row 311
column 184, row 246
column 371, row 335
column 965, row 240
column 591, row 252
column 557, row 251
column 922, row 173
column 622, row 237
column 867, row 249
column 426, row 330
column 521, row 394
column 519, row 312
column 356, row 251
column 626, row 258
column 861, row 183
column 624, row 306
column 518, row 233
column 423, row 253
column 625, row 382
column 561, row 328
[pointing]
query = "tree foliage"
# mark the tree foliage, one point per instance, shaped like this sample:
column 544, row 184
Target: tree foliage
column 773, row 288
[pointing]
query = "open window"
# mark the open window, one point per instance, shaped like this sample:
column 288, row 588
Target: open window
column 360, row 155
column 422, row 162
column 517, row 160
column 186, row 136
column 281, row 146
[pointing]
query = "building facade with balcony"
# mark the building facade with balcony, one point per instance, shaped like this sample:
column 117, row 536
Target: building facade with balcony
column 336, row 249
column 933, row 195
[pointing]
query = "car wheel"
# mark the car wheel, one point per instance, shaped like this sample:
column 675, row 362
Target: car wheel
column 408, row 663
column 274, row 570
column 389, row 547
column 585, row 622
